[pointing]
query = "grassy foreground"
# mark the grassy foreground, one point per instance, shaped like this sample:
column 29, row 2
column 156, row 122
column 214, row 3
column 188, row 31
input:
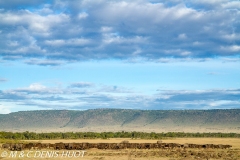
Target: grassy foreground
column 144, row 154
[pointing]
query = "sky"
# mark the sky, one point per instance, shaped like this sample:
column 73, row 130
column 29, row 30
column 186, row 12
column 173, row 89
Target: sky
column 138, row 54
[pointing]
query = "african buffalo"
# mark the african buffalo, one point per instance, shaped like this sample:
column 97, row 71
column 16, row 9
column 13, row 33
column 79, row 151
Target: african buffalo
column 6, row 146
column 16, row 147
column 59, row 146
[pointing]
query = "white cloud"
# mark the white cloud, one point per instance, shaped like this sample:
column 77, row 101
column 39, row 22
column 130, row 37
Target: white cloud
column 178, row 52
column 68, row 42
column 231, row 37
column 185, row 53
column 106, row 29
column 231, row 5
column 82, row 15
column 115, row 38
column 46, row 10
column 222, row 103
column 235, row 48
column 37, row 87
column 33, row 22
column 144, row 13
column 4, row 109
column 232, row 48
column 137, row 51
column 182, row 36
column 57, row 42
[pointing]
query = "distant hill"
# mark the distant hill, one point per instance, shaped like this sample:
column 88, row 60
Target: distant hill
column 100, row 120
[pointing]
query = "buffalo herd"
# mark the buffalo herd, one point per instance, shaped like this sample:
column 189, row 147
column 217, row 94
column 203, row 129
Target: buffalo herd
column 122, row 145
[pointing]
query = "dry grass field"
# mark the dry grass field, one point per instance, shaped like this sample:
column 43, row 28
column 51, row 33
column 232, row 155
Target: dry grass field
column 143, row 154
column 137, row 129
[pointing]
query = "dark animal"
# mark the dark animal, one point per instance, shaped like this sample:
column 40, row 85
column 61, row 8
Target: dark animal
column 6, row 146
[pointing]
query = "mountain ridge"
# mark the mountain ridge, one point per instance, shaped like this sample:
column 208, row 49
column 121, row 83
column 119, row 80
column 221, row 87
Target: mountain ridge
column 99, row 120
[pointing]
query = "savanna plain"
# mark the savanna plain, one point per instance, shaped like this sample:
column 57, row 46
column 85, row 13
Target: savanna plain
column 232, row 153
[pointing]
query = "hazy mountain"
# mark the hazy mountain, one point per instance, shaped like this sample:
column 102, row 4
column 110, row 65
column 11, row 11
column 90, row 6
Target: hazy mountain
column 122, row 119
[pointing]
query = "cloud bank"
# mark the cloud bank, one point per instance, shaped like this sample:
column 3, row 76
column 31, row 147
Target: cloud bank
column 86, row 95
column 55, row 32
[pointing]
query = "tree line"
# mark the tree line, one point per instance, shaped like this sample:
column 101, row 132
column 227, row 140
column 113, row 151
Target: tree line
column 106, row 135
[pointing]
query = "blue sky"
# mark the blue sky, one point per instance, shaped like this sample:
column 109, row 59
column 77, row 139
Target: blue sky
column 138, row 54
